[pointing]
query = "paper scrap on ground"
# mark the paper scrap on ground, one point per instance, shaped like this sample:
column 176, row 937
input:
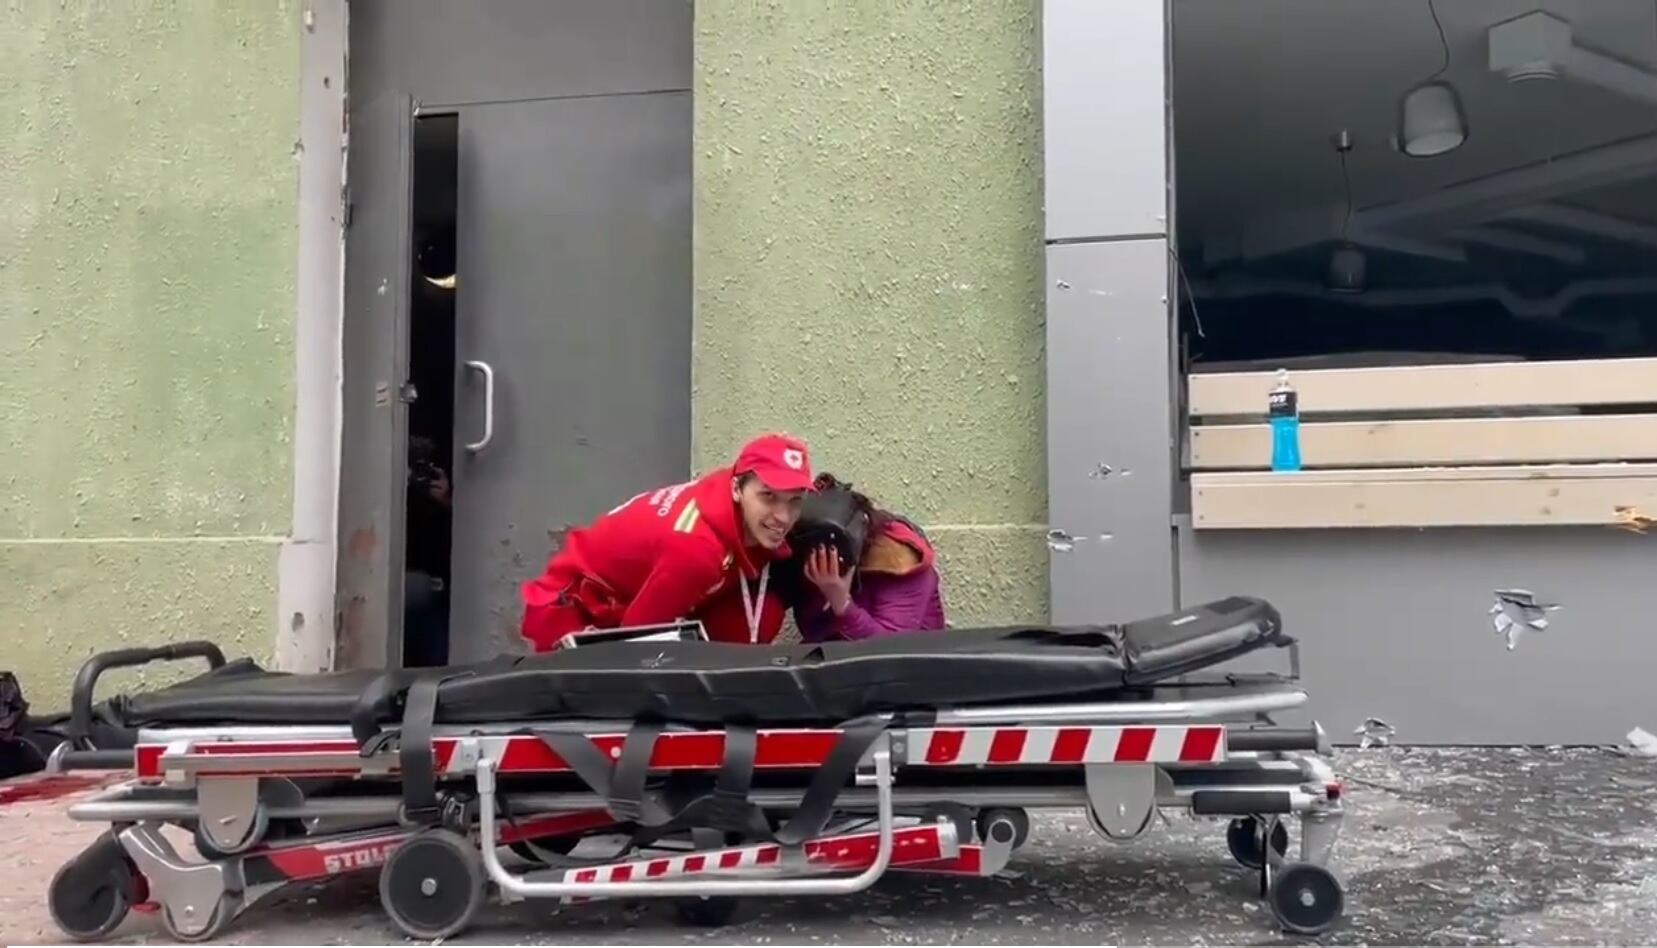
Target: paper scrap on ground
column 1516, row 611
column 1374, row 732
column 1641, row 743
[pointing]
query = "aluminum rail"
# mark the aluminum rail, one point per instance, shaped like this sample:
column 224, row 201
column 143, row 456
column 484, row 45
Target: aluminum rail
column 520, row 886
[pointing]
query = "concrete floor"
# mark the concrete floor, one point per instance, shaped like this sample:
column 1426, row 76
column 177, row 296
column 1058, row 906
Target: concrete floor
column 1440, row 847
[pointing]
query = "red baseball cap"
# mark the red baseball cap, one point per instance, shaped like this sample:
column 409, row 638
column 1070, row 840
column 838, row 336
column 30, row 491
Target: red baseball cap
column 779, row 461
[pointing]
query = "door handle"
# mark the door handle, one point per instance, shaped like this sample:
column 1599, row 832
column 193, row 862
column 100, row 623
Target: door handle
column 488, row 405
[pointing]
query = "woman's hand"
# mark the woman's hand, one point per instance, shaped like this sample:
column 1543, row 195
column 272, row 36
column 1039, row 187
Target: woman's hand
column 822, row 567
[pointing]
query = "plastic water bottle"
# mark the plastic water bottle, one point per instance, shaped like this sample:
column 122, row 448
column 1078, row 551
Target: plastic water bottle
column 1283, row 408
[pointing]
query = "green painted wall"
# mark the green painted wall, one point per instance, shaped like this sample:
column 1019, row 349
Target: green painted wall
column 868, row 264
column 147, row 247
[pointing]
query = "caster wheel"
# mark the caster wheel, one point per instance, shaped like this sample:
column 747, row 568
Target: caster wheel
column 1306, row 898
column 715, row 912
column 432, row 885
column 256, row 832
column 1242, row 837
column 90, row 896
column 1018, row 818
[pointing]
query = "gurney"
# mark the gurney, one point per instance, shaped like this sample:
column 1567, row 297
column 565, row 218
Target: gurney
column 654, row 764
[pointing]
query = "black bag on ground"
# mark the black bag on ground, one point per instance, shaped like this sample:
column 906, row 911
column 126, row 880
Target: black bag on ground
column 18, row 755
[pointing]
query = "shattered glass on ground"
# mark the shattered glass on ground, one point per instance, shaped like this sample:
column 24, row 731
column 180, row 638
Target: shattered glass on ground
column 1483, row 846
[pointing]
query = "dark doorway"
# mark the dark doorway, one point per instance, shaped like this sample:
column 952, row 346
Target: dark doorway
column 429, row 523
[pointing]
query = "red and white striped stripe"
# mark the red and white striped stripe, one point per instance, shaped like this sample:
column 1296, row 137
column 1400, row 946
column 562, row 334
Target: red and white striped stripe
column 1010, row 746
column 705, row 750
column 919, row 845
column 973, row 860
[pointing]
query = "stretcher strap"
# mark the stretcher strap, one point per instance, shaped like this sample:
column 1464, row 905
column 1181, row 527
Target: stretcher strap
column 621, row 784
column 414, row 750
column 727, row 807
column 817, row 806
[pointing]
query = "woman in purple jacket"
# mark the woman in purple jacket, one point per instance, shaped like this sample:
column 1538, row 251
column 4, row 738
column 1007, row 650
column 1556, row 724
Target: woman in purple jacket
column 891, row 585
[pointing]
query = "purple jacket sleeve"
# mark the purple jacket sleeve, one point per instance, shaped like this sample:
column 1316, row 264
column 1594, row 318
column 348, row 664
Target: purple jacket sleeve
column 880, row 605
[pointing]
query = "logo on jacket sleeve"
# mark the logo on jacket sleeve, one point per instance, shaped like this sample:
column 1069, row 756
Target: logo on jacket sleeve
column 688, row 517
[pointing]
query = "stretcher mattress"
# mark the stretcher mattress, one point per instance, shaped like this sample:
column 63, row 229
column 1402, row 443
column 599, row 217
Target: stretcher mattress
column 714, row 683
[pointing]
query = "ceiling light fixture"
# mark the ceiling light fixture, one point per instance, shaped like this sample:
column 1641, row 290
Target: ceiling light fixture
column 1347, row 264
column 1431, row 120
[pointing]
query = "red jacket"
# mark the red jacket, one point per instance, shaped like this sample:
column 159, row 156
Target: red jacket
column 662, row 556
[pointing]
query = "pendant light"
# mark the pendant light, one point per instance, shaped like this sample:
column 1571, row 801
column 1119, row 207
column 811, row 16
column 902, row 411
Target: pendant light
column 1347, row 264
column 1431, row 120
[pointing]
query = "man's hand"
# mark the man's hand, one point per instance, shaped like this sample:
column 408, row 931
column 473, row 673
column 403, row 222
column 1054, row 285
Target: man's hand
column 822, row 567
column 438, row 488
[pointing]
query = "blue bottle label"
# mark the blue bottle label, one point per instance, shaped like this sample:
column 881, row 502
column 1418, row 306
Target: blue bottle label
column 1283, row 403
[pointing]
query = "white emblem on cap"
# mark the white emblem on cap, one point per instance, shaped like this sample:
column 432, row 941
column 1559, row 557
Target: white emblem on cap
column 794, row 458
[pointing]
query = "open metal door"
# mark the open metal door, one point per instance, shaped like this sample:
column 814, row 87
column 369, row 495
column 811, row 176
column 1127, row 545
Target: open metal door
column 379, row 252
column 573, row 333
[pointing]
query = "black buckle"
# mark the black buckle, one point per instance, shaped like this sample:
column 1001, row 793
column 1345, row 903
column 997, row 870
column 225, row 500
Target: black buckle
column 379, row 742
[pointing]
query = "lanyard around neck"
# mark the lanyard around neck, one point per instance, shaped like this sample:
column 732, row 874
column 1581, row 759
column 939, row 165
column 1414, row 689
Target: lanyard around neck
column 755, row 607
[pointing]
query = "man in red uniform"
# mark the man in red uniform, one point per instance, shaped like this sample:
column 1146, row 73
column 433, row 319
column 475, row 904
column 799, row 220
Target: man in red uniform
column 667, row 554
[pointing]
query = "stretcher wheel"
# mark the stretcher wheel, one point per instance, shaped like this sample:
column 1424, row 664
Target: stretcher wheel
column 1306, row 898
column 432, row 885
column 257, row 830
column 1017, row 817
column 1242, row 837
column 712, row 912
column 89, row 896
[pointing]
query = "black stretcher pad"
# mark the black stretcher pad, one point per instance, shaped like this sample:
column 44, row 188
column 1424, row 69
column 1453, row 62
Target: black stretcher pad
column 712, row 683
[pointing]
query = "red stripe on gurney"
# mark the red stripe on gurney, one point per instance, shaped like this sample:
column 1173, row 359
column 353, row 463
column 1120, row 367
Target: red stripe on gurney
column 944, row 747
column 705, row 750
column 1007, row 746
column 1202, row 744
column 300, row 862
column 1070, row 747
column 970, row 747
column 913, row 846
column 701, row 751
column 970, row 862
column 1134, row 744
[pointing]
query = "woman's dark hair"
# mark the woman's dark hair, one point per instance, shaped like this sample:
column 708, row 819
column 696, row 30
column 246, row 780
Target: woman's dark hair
column 878, row 519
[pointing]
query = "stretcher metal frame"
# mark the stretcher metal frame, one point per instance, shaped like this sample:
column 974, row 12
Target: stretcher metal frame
column 947, row 794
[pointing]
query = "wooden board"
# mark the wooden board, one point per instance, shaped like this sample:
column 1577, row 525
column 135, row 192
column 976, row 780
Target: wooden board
column 1531, row 495
column 1429, row 387
column 1434, row 441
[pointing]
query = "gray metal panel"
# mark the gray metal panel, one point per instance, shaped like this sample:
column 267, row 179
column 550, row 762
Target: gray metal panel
column 373, row 435
column 574, row 283
column 1109, row 403
column 1104, row 117
column 448, row 52
column 1394, row 625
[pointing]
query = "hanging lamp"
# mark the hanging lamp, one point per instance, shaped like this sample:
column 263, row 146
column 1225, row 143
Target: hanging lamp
column 1431, row 120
